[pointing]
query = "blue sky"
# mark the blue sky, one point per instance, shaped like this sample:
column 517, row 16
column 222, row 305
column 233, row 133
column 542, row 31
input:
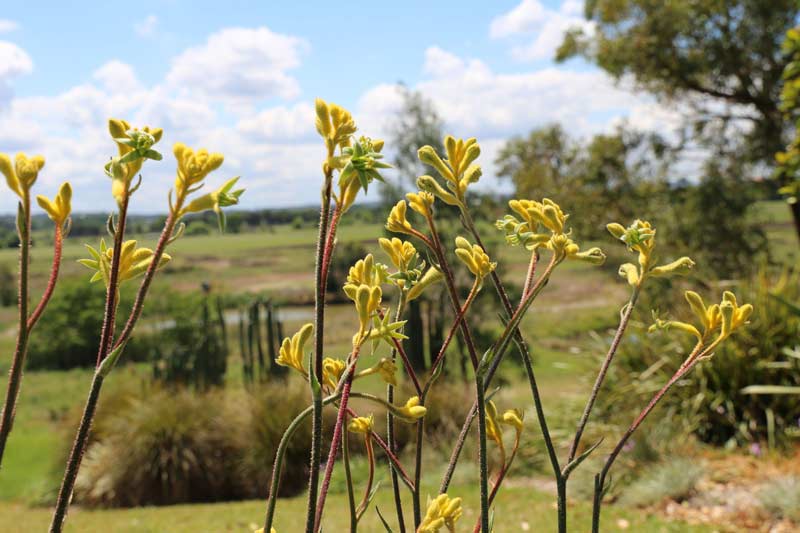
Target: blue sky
column 240, row 78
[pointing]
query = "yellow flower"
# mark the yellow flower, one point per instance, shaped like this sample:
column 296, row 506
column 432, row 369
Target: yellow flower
column 473, row 256
column 431, row 276
column 363, row 287
column 133, row 261
column 412, row 410
column 640, row 237
column 361, row 424
column 60, row 207
column 334, row 123
column 272, row 530
column 513, row 418
column 291, row 352
column 397, row 222
column 733, row 315
column 134, row 146
column 457, row 171
column 22, row 175
column 421, row 202
column 443, row 511
column 726, row 316
column 193, row 167
column 387, row 369
column 401, row 253
column 492, row 429
column 332, row 370
column 225, row 196
column 366, row 272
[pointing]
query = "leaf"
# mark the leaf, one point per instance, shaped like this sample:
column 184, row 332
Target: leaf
column 383, row 520
column 770, row 389
column 581, row 458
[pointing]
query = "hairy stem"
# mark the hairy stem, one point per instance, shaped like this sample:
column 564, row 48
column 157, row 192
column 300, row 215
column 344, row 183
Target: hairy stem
column 391, row 438
column 623, row 323
column 58, row 241
column 348, row 477
column 319, row 325
column 18, row 362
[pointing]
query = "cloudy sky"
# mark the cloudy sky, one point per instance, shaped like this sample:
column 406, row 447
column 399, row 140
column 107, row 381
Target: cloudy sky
column 241, row 77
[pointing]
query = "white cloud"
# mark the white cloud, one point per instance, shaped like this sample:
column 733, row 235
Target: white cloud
column 14, row 61
column 280, row 124
column 116, row 76
column 146, row 27
column 240, row 66
column 7, row 25
column 546, row 25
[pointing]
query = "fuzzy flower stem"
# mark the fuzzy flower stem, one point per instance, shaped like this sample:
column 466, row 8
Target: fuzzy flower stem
column 18, row 362
column 58, row 240
column 600, row 479
column 499, row 481
column 623, row 324
column 391, row 438
column 106, row 340
column 371, row 459
column 337, row 432
column 319, row 328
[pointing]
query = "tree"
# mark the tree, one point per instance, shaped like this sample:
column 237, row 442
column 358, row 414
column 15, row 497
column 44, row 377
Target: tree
column 610, row 177
column 724, row 59
column 417, row 124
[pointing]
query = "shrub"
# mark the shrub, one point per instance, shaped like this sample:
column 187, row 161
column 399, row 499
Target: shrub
column 674, row 479
column 710, row 401
column 781, row 497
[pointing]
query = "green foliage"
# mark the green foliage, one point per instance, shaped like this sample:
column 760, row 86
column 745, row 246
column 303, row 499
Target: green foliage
column 712, row 54
column 710, row 401
column 674, row 478
column 68, row 332
column 190, row 347
column 781, row 497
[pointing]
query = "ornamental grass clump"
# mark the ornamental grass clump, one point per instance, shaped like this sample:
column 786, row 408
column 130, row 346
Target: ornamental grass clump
column 380, row 294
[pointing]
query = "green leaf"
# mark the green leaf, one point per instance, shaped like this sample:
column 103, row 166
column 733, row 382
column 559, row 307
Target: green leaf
column 770, row 389
column 383, row 520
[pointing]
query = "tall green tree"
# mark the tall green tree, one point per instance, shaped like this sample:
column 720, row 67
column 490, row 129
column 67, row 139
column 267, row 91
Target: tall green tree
column 417, row 123
column 721, row 57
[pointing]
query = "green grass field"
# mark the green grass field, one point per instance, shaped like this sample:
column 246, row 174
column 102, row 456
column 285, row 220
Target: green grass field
column 579, row 300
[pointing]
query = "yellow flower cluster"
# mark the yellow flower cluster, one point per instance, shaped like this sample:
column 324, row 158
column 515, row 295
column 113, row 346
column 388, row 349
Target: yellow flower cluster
column 412, row 410
column 363, row 287
column 727, row 317
column 543, row 225
column 511, row 417
column 401, row 253
column 133, row 261
column 457, row 170
column 21, row 176
column 640, row 237
column 335, row 124
column 443, row 511
column 60, row 207
column 361, row 424
column 134, row 146
column 291, row 352
column 474, row 257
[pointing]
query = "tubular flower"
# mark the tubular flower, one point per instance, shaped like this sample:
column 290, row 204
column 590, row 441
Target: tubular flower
column 134, row 146
column 388, row 371
column 272, row 530
column 22, row 175
column 363, row 287
column 60, row 207
column 335, row 124
column 513, row 418
column 401, row 253
column 332, row 370
column 133, row 261
column 431, row 276
column 421, row 202
column 361, row 424
column 726, row 316
column 543, row 225
column 640, row 237
column 225, row 196
column 397, row 222
column 473, row 256
column 442, row 512
column 412, row 410
column 493, row 431
column 291, row 352
column 366, row 272
column 193, row 167
column 361, row 164
column 457, row 170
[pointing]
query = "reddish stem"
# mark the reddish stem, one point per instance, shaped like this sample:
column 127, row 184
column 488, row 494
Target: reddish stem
column 58, row 241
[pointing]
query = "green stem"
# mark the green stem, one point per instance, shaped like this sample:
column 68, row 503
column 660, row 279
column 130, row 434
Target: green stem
column 75, row 456
column 348, row 476
column 18, row 362
column 482, row 459
column 319, row 325
column 391, row 438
